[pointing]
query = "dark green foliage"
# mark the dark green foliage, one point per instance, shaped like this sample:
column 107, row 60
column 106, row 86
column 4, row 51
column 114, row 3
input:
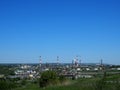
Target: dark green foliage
column 47, row 78
column 23, row 82
column 62, row 78
column 117, row 85
column 6, row 70
column 6, row 85
column 35, row 81
column 100, row 84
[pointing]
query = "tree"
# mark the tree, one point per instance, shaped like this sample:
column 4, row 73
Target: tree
column 6, row 85
column 100, row 84
column 47, row 78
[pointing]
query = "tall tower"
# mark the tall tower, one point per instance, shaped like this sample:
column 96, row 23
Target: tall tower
column 40, row 62
column 76, row 61
column 101, row 65
column 101, row 62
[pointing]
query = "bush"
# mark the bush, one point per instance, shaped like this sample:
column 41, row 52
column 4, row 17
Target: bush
column 23, row 82
column 48, row 78
column 100, row 84
column 6, row 85
column 62, row 78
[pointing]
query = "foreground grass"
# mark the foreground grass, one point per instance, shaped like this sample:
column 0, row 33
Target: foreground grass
column 81, row 84
column 111, row 83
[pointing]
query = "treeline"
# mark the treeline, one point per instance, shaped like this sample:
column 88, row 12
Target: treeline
column 12, row 84
column 7, row 85
column 6, row 70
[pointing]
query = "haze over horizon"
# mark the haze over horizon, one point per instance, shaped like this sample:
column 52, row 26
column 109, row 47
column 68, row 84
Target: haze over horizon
column 64, row 28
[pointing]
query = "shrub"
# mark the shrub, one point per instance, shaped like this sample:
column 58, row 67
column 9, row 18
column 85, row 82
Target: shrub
column 62, row 78
column 47, row 78
column 100, row 84
column 6, row 85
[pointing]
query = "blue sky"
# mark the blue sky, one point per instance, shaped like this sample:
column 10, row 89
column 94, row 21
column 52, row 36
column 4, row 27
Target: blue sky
column 64, row 28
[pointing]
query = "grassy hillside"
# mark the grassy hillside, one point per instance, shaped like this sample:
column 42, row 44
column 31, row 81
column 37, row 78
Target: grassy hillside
column 82, row 84
column 69, row 85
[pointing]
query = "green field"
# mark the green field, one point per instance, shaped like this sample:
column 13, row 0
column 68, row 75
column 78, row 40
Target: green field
column 106, row 82
column 110, row 83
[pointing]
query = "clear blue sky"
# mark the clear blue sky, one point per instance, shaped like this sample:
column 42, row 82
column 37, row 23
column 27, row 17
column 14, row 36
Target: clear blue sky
column 64, row 28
